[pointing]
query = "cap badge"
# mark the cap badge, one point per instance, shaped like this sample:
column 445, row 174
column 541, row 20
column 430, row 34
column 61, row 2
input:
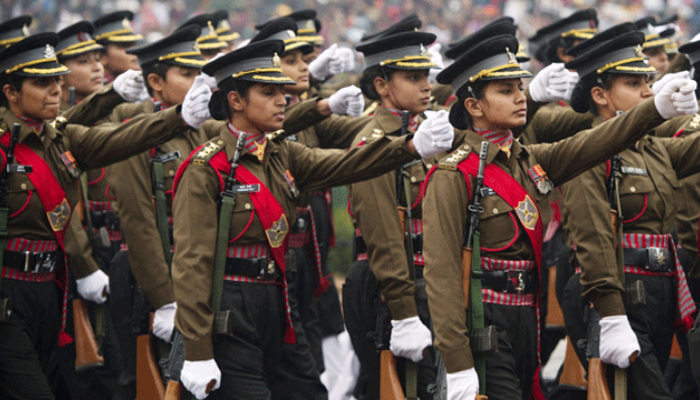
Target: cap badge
column 423, row 51
column 82, row 38
column 638, row 51
column 196, row 47
column 310, row 25
column 25, row 30
column 49, row 52
column 126, row 24
column 276, row 62
column 511, row 56
column 212, row 31
column 224, row 25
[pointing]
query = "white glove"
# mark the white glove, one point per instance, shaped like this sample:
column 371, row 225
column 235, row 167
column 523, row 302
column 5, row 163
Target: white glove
column 164, row 321
column 347, row 56
column 347, row 101
column 130, row 86
column 209, row 80
column 196, row 376
column 195, row 107
column 94, row 287
column 434, row 135
column 435, row 58
column 462, row 385
column 409, row 337
column 326, row 64
column 553, row 83
column 676, row 98
column 618, row 342
column 658, row 85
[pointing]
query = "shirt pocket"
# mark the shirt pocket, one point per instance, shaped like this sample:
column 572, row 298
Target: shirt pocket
column 20, row 192
column 242, row 217
column 498, row 224
column 634, row 192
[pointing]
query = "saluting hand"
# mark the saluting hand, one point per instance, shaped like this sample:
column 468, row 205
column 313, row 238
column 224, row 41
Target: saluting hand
column 437, row 59
column 195, row 107
column 553, row 83
column 658, row 85
column 130, row 86
column 347, row 101
column 434, row 135
column 331, row 62
column 676, row 98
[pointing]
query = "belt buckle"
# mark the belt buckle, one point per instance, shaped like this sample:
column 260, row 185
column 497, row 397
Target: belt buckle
column 26, row 261
column 520, row 287
column 271, row 267
column 657, row 258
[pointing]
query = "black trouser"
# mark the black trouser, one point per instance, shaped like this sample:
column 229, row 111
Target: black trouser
column 29, row 359
column 360, row 294
column 653, row 325
column 248, row 359
column 510, row 370
column 298, row 374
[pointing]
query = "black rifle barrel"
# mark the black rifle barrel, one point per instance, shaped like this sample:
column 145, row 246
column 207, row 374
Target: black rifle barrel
column 475, row 208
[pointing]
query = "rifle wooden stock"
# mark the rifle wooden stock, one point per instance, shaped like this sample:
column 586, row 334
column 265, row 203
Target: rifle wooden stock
column 86, row 349
column 149, row 384
column 597, row 381
column 389, row 383
column 613, row 221
column 402, row 217
column 173, row 391
column 466, row 274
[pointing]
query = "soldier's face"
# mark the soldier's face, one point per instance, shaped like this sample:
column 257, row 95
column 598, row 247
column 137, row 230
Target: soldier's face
column 625, row 92
column 86, row 74
column 296, row 69
column 407, row 90
column 116, row 60
column 261, row 110
column 503, row 105
column 658, row 58
column 38, row 98
column 173, row 89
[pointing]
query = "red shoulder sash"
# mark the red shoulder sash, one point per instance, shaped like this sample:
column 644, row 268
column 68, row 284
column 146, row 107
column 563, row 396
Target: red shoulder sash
column 50, row 191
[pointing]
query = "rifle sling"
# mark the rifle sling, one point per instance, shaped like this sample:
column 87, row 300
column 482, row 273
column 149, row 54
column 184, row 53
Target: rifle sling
column 227, row 202
column 86, row 204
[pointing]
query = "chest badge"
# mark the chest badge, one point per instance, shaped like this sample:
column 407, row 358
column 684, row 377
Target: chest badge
column 59, row 216
column 278, row 231
column 527, row 213
column 71, row 164
column 291, row 183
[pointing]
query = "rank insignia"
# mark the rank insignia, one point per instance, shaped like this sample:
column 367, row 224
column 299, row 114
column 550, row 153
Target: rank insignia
column 291, row 183
column 71, row 164
column 59, row 216
column 527, row 213
column 695, row 122
column 278, row 231
column 276, row 61
column 544, row 185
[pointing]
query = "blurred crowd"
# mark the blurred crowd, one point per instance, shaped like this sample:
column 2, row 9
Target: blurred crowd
column 344, row 21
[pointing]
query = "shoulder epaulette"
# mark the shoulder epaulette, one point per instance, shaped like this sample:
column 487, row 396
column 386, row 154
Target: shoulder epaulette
column 695, row 122
column 277, row 135
column 59, row 122
column 370, row 109
column 208, row 150
column 451, row 160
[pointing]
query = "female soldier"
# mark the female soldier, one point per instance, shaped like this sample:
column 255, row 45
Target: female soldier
column 644, row 180
column 250, row 96
column 487, row 81
column 40, row 231
column 396, row 75
column 80, row 54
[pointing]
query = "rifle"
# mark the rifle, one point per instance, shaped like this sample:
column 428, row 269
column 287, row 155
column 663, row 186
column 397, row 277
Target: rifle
column 158, row 182
column 149, row 384
column 6, row 304
column 482, row 339
column 71, row 96
column 223, row 324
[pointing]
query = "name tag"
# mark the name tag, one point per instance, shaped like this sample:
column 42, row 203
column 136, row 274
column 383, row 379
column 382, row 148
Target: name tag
column 487, row 191
column 292, row 138
column 19, row 169
column 254, row 188
column 167, row 157
column 634, row 171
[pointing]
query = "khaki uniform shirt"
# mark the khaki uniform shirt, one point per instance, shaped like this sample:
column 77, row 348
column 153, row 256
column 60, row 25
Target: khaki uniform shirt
column 91, row 148
column 445, row 214
column 647, row 202
column 196, row 219
column 373, row 203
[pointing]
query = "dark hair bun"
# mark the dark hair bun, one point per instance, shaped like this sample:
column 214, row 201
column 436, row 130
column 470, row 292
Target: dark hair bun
column 459, row 117
column 218, row 105
column 579, row 98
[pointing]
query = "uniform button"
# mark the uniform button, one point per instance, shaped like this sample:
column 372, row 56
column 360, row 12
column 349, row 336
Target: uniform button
column 495, row 210
column 429, row 166
column 24, row 186
column 247, row 206
column 171, row 173
column 413, row 179
column 219, row 142
column 633, row 189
